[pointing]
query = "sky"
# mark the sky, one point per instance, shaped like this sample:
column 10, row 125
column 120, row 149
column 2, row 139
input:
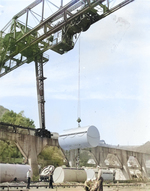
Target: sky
column 113, row 55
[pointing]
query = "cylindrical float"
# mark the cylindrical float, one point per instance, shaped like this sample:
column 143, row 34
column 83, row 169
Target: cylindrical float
column 69, row 175
column 90, row 174
column 105, row 173
column 11, row 172
column 81, row 137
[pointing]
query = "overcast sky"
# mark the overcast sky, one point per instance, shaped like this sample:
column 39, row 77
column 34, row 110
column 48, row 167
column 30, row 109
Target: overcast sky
column 114, row 78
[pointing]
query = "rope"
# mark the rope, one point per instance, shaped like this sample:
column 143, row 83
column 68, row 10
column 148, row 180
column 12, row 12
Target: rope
column 79, row 106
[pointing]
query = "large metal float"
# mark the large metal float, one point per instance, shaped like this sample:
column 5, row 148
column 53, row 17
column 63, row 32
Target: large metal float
column 13, row 172
column 69, row 175
column 81, row 137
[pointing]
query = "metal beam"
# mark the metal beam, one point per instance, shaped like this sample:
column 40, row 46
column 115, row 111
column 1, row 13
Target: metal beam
column 48, row 28
column 40, row 90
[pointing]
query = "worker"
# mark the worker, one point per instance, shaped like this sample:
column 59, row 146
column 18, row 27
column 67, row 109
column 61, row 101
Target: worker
column 94, row 185
column 29, row 173
column 51, row 180
column 114, row 174
column 98, row 184
column 87, row 185
column 99, row 181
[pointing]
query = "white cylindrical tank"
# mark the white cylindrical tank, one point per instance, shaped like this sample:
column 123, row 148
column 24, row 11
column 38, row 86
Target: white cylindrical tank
column 105, row 173
column 69, row 175
column 81, row 137
column 10, row 172
column 90, row 174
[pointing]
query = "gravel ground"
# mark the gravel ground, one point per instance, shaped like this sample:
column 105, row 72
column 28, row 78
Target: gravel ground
column 114, row 187
column 135, row 188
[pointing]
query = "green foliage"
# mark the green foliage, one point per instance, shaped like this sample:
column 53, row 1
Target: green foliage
column 84, row 157
column 2, row 110
column 35, row 178
column 17, row 119
column 50, row 156
column 8, row 150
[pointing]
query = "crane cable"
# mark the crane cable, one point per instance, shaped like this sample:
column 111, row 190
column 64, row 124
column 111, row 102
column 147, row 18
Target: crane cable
column 79, row 106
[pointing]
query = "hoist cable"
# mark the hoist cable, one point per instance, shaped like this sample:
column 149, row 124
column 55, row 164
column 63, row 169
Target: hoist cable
column 79, row 106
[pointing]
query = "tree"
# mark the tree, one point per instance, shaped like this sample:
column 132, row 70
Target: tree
column 9, row 153
column 8, row 150
column 84, row 157
column 17, row 119
column 2, row 110
column 50, row 156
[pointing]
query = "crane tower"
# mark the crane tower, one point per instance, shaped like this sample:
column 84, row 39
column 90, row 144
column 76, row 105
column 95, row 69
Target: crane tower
column 20, row 43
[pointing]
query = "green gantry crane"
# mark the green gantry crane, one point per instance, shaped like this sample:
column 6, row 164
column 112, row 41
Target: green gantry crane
column 20, row 43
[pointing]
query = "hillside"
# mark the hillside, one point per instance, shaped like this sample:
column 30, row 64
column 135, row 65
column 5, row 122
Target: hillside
column 2, row 110
column 144, row 148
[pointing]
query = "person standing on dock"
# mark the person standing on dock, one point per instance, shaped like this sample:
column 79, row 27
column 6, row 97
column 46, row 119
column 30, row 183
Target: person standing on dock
column 51, row 180
column 29, row 173
column 99, row 181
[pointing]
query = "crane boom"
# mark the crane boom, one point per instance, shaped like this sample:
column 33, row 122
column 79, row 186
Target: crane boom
column 58, row 32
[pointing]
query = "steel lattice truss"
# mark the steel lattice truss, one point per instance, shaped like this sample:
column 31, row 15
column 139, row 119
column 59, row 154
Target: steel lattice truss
column 20, row 43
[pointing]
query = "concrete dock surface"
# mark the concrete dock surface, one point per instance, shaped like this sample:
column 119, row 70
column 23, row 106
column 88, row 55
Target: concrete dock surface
column 104, row 189
column 140, row 187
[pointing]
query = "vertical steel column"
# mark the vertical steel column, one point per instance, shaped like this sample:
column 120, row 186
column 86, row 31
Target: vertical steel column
column 61, row 3
column 108, row 4
column 27, row 15
column 40, row 90
column 42, row 10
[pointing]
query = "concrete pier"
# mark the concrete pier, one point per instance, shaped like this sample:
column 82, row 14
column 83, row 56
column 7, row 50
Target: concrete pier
column 101, row 153
column 29, row 145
